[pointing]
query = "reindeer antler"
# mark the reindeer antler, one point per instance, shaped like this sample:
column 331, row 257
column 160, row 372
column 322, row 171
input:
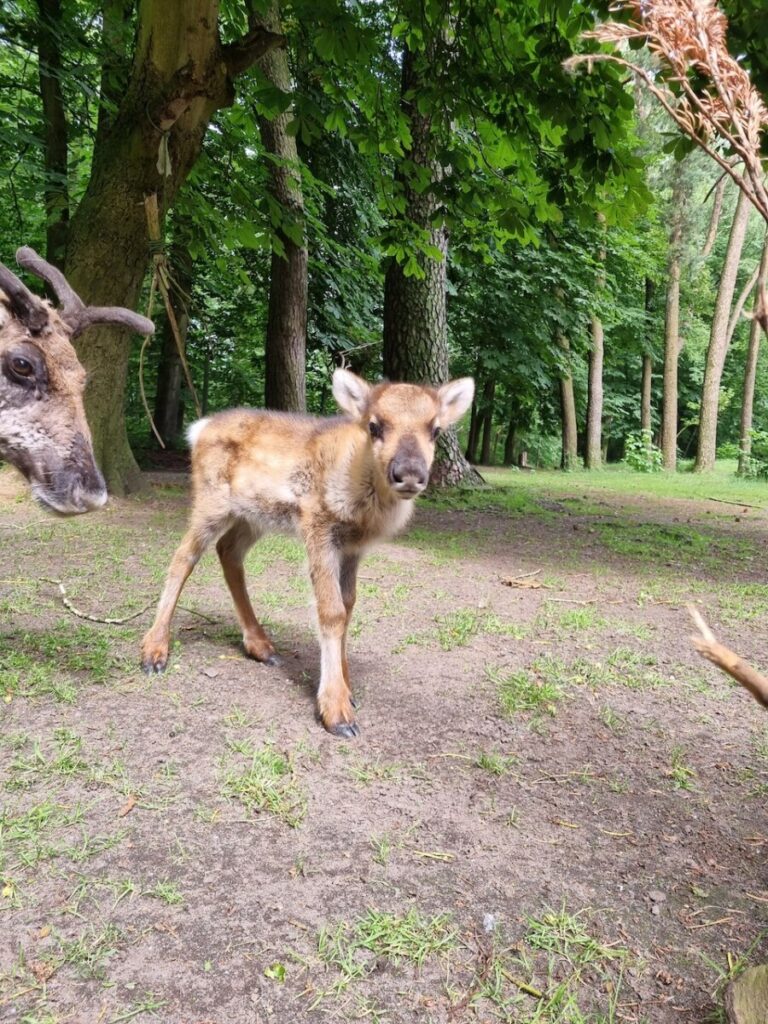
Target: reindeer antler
column 25, row 306
column 75, row 314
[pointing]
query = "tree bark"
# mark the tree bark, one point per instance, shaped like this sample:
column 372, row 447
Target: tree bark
column 672, row 342
column 569, row 458
column 286, row 341
column 489, row 392
column 415, row 325
column 56, row 189
column 474, row 431
column 509, row 442
column 750, row 370
column 646, row 422
column 645, row 395
column 168, row 412
column 181, row 74
column 593, row 453
column 594, row 446
column 718, row 338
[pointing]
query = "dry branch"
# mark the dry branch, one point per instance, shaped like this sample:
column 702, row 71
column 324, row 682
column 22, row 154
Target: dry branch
column 727, row 660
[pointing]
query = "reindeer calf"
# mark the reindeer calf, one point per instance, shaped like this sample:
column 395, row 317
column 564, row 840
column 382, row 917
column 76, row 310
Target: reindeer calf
column 341, row 484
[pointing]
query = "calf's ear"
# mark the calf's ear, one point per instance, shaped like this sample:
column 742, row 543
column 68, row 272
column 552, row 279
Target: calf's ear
column 455, row 398
column 351, row 392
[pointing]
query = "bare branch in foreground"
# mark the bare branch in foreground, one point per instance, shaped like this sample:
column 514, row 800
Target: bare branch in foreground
column 727, row 660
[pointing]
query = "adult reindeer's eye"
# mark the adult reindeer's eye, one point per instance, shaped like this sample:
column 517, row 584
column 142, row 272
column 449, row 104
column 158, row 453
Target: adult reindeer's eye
column 21, row 368
column 376, row 430
column 435, row 433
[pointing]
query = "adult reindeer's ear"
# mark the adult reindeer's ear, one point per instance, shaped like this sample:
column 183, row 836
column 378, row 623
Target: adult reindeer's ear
column 351, row 392
column 455, row 398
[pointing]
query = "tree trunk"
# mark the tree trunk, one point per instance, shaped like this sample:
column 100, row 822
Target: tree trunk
column 594, row 446
column 56, row 187
column 569, row 458
column 489, row 392
column 509, row 443
column 718, row 338
column 474, row 431
column 168, row 412
column 180, row 75
column 750, row 370
column 286, row 342
column 645, row 395
column 415, row 327
column 646, row 422
column 672, row 343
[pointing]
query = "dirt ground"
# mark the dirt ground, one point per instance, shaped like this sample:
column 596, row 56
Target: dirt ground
column 555, row 810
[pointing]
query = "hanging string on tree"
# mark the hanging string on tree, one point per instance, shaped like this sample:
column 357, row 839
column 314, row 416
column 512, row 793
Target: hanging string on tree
column 162, row 281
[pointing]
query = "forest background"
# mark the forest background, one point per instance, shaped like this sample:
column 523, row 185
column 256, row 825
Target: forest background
column 415, row 189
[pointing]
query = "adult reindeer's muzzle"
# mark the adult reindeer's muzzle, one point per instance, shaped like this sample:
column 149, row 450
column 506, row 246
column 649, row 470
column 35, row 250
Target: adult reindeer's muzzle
column 70, row 485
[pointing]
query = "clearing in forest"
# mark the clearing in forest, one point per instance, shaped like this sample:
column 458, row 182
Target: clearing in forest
column 555, row 811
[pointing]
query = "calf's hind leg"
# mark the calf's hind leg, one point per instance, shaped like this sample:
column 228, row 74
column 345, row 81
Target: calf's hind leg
column 154, row 646
column 232, row 549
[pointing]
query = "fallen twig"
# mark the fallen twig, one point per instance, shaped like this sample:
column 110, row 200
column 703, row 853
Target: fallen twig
column 84, row 615
column 741, row 504
column 728, row 660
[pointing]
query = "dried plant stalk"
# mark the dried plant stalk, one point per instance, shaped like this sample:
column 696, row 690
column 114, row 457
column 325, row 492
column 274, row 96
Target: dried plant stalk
column 725, row 116
column 727, row 660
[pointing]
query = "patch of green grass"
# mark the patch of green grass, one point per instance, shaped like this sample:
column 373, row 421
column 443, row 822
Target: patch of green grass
column 354, row 949
column 743, row 602
column 563, row 621
column 366, row 772
column 27, row 837
column 267, row 783
column 382, row 847
column 494, row 763
column 64, row 761
column 509, row 499
column 612, row 719
column 458, row 628
column 89, row 954
column 681, row 773
column 623, row 667
column 721, row 483
column 443, row 546
column 166, row 891
column 525, row 690
column 53, row 662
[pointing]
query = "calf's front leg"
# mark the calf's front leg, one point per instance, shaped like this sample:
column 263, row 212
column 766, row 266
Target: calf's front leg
column 156, row 642
column 334, row 703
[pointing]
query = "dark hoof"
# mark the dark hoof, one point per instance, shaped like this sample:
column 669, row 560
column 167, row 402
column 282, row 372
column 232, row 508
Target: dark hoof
column 153, row 668
column 347, row 730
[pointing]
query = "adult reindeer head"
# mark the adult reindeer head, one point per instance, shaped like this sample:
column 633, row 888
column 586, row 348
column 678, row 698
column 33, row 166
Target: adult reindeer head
column 403, row 422
column 43, row 430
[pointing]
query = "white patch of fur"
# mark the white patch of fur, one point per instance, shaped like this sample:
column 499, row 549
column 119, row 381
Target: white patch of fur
column 194, row 430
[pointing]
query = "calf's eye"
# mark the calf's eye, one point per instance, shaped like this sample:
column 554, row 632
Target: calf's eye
column 22, row 368
column 375, row 430
column 435, row 433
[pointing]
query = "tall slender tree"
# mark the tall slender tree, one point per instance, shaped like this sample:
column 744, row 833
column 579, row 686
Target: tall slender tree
column 718, row 338
column 672, row 340
column 750, row 368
